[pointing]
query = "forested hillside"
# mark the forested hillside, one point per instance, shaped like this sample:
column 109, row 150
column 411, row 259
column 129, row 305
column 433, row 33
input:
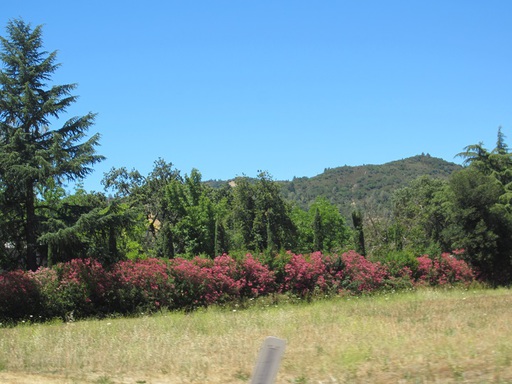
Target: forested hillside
column 364, row 186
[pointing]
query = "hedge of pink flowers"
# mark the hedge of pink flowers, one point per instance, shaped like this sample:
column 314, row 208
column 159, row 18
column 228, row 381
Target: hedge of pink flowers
column 446, row 269
column 84, row 288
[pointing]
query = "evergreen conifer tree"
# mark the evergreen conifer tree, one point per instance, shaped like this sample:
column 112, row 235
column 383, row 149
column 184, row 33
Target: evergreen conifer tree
column 32, row 154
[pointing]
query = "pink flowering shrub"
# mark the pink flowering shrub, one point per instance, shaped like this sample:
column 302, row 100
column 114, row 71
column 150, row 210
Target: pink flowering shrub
column 351, row 271
column 254, row 278
column 305, row 275
column 19, row 296
column 141, row 285
column 222, row 279
column 83, row 288
column 427, row 270
column 456, row 270
column 50, row 291
column 443, row 270
column 201, row 282
column 190, row 282
column 360, row 275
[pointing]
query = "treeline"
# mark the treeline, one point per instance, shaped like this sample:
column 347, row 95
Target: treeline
column 166, row 214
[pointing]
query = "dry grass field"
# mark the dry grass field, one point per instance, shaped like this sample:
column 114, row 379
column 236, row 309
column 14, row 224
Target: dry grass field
column 427, row 336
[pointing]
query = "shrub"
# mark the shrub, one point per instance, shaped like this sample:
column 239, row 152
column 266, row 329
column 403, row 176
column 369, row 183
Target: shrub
column 306, row 275
column 396, row 261
column 82, row 287
column 19, row 296
column 222, row 280
column 82, row 290
column 277, row 263
column 443, row 270
column 52, row 304
column 254, row 278
column 144, row 285
column 201, row 282
column 455, row 270
column 360, row 275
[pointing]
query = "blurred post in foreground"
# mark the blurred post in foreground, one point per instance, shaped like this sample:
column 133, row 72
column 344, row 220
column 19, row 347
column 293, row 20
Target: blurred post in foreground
column 269, row 358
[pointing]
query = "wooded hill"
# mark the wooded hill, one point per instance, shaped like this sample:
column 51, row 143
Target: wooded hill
column 368, row 187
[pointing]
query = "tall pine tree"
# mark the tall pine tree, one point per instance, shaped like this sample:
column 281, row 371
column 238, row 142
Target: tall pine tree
column 32, row 154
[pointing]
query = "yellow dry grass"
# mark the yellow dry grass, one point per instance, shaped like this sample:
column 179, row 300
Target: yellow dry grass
column 429, row 336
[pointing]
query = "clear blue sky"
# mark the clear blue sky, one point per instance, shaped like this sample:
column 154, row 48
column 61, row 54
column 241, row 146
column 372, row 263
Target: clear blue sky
column 291, row 87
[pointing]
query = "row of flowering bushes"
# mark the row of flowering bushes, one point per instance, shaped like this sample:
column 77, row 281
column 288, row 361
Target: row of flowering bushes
column 82, row 287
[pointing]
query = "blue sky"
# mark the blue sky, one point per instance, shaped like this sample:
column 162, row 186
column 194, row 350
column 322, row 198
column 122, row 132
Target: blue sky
column 290, row 87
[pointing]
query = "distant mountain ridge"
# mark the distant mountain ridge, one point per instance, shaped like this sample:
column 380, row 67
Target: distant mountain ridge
column 365, row 186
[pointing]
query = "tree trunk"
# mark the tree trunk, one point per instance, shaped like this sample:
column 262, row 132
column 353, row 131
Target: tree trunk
column 31, row 227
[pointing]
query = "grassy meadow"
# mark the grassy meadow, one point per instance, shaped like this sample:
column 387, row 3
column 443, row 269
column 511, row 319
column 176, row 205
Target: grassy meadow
column 425, row 336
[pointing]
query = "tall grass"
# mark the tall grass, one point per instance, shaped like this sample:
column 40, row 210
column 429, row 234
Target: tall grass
column 427, row 336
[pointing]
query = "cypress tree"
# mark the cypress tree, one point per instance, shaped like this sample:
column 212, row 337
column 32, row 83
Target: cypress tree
column 318, row 236
column 357, row 221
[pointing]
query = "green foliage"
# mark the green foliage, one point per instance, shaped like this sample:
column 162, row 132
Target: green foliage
column 479, row 210
column 321, row 228
column 418, row 216
column 260, row 217
column 90, row 226
column 480, row 223
column 146, row 197
column 357, row 221
column 32, row 155
column 194, row 224
column 396, row 261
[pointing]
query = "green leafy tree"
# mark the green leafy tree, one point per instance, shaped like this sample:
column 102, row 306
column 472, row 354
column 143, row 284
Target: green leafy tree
column 273, row 228
column 192, row 217
column 222, row 199
column 321, row 228
column 334, row 231
column 59, row 213
column 418, row 216
column 260, row 217
column 480, row 210
column 31, row 152
column 480, row 223
column 242, row 213
column 304, row 241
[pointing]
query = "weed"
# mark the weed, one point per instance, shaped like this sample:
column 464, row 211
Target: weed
column 300, row 380
column 242, row 376
column 104, row 380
